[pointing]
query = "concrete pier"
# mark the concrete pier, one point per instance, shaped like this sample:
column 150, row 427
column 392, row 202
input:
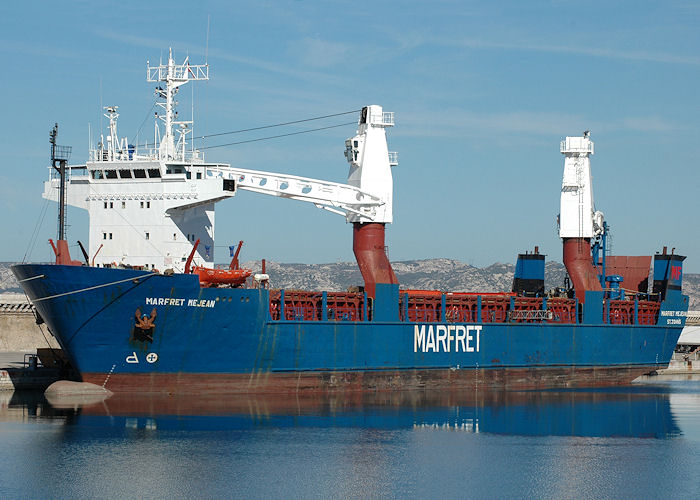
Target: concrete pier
column 20, row 337
column 683, row 364
column 19, row 331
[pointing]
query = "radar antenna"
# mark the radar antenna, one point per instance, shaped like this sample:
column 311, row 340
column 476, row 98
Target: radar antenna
column 173, row 75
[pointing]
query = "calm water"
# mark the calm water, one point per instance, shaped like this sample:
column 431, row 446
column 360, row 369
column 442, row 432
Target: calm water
column 634, row 442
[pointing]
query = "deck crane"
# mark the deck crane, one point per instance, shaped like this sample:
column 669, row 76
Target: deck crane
column 579, row 222
column 149, row 204
column 365, row 201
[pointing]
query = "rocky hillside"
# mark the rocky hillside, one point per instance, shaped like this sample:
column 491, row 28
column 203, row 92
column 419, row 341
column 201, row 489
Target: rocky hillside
column 691, row 287
column 431, row 274
column 8, row 283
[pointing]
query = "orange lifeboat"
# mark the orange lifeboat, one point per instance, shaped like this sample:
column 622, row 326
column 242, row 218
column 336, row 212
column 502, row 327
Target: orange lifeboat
column 233, row 276
column 215, row 277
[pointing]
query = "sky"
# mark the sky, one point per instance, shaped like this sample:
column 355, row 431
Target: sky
column 483, row 92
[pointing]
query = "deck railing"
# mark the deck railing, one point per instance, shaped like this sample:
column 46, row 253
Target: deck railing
column 294, row 305
column 433, row 306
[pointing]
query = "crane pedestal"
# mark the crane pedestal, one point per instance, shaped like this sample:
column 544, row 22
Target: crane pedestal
column 368, row 247
column 579, row 265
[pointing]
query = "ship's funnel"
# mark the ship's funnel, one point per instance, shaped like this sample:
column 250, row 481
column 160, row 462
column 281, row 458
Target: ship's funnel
column 368, row 247
column 668, row 274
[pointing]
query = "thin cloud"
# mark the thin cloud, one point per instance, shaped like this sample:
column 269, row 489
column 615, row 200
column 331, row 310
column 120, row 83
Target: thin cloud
column 633, row 55
column 458, row 123
column 52, row 52
column 193, row 49
column 321, row 53
column 648, row 124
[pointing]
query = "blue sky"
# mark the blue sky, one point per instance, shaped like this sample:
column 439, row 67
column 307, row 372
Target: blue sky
column 483, row 92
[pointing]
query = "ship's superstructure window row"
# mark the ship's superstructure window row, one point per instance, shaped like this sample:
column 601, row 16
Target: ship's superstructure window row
column 200, row 172
column 137, row 173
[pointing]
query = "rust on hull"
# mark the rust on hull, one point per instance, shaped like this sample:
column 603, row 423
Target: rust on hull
column 376, row 380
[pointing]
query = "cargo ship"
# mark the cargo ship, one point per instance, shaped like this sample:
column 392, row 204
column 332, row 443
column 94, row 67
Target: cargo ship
column 146, row 310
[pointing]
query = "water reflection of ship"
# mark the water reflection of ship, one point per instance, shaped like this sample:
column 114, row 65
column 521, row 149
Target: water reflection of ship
column 628, row 413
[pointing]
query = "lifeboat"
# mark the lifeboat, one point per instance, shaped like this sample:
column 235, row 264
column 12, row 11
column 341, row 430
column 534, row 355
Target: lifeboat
column 233, row 276
column 217, row 277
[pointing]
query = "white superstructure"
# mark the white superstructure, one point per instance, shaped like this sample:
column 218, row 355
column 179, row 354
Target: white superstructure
column 577, row 216
column 147, row 206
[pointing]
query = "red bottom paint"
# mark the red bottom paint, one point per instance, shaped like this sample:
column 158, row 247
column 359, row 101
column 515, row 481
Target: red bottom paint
column 379, row 380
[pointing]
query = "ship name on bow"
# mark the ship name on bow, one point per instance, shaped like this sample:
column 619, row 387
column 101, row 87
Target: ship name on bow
column 169, row 301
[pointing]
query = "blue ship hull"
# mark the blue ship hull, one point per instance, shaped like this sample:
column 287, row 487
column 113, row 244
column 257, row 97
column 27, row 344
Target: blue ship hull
column 225, row 340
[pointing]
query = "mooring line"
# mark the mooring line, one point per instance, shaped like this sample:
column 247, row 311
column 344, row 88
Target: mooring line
column 32, row 278
column 95, row 287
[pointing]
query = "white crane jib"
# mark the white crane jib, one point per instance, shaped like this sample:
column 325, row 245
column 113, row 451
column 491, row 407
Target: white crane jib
column 577, row 216
column 367, row 197
column 148, row 206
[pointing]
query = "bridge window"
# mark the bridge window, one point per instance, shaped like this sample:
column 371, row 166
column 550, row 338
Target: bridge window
column 199, row 175
column 105, row 204
column 125, row 174
column 148, row 204
column 153, row 173
column 111, row 174
column 139, row 173
column 111, row 204
column 97, row 174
